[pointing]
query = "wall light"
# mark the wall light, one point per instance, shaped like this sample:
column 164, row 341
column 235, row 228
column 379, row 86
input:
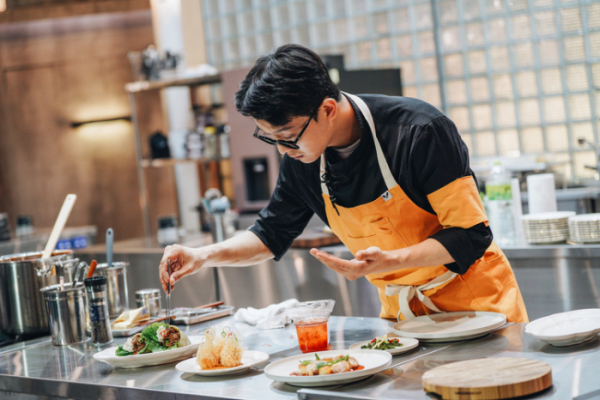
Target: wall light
column 78, row 124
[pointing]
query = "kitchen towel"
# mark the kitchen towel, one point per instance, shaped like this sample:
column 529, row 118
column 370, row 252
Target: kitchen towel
column 271, row 317
column 542, row 193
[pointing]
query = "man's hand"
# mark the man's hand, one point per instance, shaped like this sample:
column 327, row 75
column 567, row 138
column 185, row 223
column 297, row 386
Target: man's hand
column 369, row 261
column 184, row 261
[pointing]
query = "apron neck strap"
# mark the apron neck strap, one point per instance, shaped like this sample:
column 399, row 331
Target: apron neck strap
column 390, row 182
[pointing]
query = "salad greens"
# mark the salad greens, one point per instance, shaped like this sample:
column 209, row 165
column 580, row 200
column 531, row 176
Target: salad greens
column 321, row 364
column 149, row 338
column 383, row 343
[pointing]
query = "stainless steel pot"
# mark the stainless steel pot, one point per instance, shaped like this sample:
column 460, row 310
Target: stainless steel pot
column 116, row 286
column 22, row 305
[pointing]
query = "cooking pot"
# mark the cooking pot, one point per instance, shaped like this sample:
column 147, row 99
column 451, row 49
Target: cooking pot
column 22, row 305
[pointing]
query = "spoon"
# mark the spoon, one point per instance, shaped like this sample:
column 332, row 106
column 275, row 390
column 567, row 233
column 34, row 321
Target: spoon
column 109, row 247
column 61, row 220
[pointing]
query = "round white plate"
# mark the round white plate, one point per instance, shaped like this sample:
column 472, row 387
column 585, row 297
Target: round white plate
column 374, row 361
column 249, row 359
column 145, row 360
column 548, row 216
column 450, row 326
column 408, row 344
column 585, row 218
column 566, row 329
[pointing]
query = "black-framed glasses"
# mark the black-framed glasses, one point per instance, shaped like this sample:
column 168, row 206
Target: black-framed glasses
column 290, row 144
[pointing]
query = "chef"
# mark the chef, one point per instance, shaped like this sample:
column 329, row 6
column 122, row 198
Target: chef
column 389, row 175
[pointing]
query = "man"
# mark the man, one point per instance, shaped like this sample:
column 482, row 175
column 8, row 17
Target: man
column 389, row 175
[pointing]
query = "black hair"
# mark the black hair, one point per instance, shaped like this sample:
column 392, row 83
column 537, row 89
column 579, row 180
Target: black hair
column 290, row 81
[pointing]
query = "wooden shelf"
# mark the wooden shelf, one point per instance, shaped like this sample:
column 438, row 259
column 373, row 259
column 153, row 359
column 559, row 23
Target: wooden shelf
column 146, row 86
column 167, row 162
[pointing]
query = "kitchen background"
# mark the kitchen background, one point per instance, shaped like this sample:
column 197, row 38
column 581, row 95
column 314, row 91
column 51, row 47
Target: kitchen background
column 520, row 78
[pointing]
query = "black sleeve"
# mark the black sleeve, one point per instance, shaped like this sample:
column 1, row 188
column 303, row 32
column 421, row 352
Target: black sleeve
column 440, row 157
column 286, row 215
column 465, row 245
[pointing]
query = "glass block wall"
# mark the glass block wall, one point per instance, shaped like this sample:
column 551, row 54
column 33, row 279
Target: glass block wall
column 516, row 76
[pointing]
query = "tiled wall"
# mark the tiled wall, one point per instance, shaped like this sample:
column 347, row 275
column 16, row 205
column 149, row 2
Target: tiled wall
column 516, row 76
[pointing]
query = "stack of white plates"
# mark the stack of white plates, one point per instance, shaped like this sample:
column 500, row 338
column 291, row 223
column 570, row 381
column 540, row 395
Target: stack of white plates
column 585, row 228
column 550, row 227
column 567, row 328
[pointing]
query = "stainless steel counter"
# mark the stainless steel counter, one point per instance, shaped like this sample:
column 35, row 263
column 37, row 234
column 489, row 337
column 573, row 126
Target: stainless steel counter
column 40, row 369
column 552, row 279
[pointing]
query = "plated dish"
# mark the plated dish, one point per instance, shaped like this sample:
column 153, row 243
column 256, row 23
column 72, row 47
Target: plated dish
column 372, row 361
column 399, row 345
column 153, row 339
column 450, row 326
column 220, row 350
column 221, row 353
column 249, row 359
column 566, row 329
column 338, row 364
column 149, row 359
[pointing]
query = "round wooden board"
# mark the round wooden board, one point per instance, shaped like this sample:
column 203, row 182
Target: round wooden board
column 488, row 378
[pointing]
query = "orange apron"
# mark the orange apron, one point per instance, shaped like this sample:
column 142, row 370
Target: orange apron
column 393, row 221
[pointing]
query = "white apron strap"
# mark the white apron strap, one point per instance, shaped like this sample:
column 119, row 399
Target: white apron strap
column 407, row 292
column 390, row 182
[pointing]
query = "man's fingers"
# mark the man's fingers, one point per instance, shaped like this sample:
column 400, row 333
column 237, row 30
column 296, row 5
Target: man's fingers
column 369, row 254
column 338, row 264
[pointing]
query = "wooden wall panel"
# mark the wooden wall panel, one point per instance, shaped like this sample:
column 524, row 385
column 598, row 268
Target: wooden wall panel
column 74, row 74
column 28, row 10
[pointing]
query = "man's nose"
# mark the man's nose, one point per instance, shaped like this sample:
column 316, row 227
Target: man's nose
column 282, row 149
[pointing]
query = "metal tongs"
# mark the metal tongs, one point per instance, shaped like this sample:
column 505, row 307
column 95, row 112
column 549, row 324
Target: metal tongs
column 169, row 293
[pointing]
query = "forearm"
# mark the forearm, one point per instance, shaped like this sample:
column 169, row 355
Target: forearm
column 428, row 253
column 239, row 251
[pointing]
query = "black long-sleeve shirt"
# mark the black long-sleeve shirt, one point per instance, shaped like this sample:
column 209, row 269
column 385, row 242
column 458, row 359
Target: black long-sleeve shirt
column 425, row 153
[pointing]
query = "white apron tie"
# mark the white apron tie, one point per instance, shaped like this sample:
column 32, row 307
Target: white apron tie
column 407, row 292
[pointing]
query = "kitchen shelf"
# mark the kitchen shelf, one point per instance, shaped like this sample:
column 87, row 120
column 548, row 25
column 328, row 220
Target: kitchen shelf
column 147, row 86
column 168, row 162
column 185, row 80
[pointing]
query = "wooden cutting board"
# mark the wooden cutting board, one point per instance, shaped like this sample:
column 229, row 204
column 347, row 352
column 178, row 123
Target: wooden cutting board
column 488, row 378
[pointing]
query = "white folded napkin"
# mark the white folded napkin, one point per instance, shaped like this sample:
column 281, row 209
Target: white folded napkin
column 270, row 317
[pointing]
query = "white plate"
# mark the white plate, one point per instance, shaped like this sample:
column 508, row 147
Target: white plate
column 374, row 361
column 548, row 216
column 566, row 329
column 249, row 359
column 450, row 326
column 145, row 360
column 408, row 344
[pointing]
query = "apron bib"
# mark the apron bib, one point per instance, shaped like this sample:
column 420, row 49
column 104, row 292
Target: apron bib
column 393, row 221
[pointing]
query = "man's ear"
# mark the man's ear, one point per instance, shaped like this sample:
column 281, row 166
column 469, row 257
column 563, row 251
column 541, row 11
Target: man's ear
column 331, row 108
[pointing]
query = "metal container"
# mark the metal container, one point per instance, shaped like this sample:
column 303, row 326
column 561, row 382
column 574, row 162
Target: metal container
column 22, row 305
column 98, row 309
column 66, row 313
column 150, row 298
column 116, row 286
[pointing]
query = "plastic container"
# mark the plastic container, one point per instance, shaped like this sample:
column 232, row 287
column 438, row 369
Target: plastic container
column 311, row 321
column 498, row 205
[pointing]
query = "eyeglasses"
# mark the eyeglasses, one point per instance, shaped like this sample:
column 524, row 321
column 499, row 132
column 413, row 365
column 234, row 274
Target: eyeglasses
column 290, row 144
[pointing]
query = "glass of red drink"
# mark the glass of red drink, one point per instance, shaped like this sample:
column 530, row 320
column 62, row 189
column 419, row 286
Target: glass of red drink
column 310, row 319
column 313, row 334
